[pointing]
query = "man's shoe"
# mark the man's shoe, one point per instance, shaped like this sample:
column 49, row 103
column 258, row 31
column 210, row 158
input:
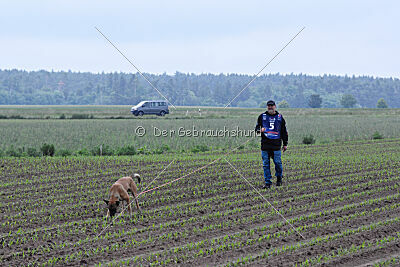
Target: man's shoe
column 279, row 181
column 267, row 186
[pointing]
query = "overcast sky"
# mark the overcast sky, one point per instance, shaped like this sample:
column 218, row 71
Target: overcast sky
column 341, row 37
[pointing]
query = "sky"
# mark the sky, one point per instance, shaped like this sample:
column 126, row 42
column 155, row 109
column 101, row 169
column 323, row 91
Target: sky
column 340, row 37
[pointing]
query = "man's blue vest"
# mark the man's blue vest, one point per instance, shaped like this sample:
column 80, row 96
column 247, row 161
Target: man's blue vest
column 272, row 125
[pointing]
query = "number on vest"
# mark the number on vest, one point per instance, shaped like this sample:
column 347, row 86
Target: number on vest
column 271, row 125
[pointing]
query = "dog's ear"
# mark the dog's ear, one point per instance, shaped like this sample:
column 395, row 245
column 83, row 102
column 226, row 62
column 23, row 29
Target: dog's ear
column 117, row 202
column 106, row 201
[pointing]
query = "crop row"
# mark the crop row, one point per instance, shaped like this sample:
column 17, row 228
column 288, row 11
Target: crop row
column 251, row 221
column 62, row 212
column 56, row 215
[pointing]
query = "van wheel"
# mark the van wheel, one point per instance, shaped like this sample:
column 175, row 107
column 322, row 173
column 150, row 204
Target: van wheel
column 140, row 113
column 162, row 113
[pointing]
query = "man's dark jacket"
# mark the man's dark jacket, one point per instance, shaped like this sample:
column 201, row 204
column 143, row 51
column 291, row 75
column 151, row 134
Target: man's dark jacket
column 272, row 144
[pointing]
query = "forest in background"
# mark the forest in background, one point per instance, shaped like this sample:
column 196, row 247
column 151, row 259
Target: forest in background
column 19, row 87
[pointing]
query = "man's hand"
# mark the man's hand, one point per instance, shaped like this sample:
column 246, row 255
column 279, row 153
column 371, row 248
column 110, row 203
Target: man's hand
column 284, row 148
column 262, row 129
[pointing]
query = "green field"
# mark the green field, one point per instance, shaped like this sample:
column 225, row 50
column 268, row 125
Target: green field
column 339, row 203
column 24, row 127
column 342, row 201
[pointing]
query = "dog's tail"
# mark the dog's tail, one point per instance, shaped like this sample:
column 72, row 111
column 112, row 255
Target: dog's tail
column 137, row 176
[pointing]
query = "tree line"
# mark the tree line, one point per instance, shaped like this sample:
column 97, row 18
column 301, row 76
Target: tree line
column 19, row 87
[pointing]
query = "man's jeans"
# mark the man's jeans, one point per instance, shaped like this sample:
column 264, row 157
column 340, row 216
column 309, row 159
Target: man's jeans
column 276, row 156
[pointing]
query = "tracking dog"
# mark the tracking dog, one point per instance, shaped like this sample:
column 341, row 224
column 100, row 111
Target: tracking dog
column 119, row 191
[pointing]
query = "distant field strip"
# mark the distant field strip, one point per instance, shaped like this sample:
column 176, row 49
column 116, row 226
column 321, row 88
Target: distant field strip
column 326, row 126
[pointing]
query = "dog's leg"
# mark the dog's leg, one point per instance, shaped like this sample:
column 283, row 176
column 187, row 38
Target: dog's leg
column 128, row 201
column 137, row 203
column 134, row 193
column 125, row 197
column 108, row 213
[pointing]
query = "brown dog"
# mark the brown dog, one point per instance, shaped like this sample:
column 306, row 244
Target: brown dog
column 119, row 190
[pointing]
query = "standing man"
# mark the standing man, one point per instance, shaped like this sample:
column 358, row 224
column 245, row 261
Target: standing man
column 272, row 126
